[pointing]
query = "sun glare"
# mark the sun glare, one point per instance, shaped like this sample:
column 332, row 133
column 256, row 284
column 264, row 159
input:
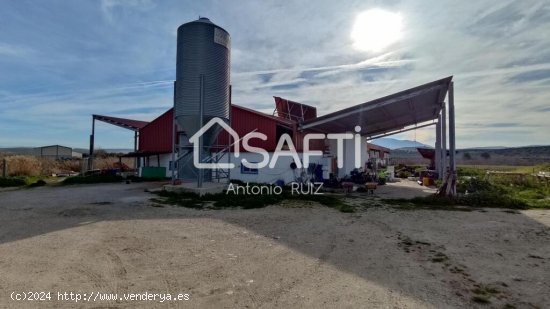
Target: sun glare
column 376, row 29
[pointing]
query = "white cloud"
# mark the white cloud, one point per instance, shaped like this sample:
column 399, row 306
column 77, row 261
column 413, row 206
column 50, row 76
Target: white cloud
column 14, row 50
column 110, row 6
column 126, row 59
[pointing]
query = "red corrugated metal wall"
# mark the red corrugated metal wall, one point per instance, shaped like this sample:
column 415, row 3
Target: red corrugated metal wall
column 156, row 136
column 245, row 121
column 314, row 144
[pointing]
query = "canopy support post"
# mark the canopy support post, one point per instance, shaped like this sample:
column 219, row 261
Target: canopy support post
column 444, row 140
column 91, row 153
column 437, row 153
column 451, row 189
column 449, row 186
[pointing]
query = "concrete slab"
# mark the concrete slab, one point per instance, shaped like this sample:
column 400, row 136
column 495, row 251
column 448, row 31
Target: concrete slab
column 207, row 188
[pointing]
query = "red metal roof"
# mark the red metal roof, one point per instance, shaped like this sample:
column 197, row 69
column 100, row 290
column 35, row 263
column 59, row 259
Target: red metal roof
column 130, row 124
column 377, row 147
column 277, row 119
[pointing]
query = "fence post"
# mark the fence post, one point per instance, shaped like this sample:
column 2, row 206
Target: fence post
column 4, row 168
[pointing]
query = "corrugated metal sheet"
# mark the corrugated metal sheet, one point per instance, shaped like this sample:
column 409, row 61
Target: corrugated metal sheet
column 203, row 58
column 244, row 120
column 156, row 136
column 131, row 124
column 314, row 144
column 203, row 49
column 387, row 114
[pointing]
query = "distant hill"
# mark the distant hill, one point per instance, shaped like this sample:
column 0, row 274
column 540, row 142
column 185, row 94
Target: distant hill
column 530, row 155
column 29, row 150
column 491, row 148
column 109, row 150
column 18, row 150
column 393, row 143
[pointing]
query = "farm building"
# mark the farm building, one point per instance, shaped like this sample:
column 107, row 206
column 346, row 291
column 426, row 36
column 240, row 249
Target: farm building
column 54, row 152
column 379, row 154
column 413, row 108
column 206, row 138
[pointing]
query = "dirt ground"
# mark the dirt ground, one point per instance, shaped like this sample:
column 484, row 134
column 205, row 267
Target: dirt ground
column 110, row 239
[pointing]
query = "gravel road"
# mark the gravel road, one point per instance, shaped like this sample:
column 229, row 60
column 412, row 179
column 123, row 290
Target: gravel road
column 110, row 238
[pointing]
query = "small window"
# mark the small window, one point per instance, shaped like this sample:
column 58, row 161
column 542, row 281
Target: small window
column 246, row 170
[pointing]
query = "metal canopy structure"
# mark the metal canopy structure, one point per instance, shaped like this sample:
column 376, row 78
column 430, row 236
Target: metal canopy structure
column 129, row 124
column 390, row 114
column 410, row 109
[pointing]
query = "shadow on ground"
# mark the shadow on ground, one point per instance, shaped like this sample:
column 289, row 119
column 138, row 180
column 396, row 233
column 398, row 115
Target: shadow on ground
column 429, row 258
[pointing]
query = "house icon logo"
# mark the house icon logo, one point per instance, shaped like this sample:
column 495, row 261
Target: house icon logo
column 196, row 147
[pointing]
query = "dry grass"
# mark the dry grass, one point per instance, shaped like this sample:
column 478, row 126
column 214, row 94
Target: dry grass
column 26, row 165
column 112, row 163
column 510, row 168
column 19, row 165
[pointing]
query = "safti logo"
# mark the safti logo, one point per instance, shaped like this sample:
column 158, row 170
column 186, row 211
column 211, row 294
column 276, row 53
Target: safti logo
column 279, row 152
column 196, row 151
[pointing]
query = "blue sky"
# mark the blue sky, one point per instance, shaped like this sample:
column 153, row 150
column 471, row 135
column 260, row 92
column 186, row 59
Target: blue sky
column 61, row 61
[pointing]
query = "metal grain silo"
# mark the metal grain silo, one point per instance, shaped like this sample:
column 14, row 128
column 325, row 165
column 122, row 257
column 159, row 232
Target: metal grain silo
column 202, row 85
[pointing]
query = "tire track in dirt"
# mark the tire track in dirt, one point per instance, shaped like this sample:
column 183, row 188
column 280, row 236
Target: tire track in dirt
column 304, row 277
column 118, row 271
column 458, row 276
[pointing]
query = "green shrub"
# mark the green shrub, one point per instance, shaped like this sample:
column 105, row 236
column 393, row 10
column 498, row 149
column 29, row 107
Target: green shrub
column 531, row 194
column 478, row 199
column 404, row 174
column 470, row 171
column 38, row 183
column 492, row 199
column 498, row 190
column 223, row 200
column 12, row 181
column 474, row 184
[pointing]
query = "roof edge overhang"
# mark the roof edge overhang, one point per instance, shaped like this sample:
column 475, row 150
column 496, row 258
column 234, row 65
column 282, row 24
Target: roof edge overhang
column 143, row 154
column 441, row 86
column 130, row 124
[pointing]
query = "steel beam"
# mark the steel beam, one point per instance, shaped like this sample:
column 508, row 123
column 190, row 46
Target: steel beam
column 437, row 152
column 452, row 145
column 91, row 154
column 444, row 140
column 369, row 138
column 229, row 135
column 201, row 121
column 174, row 130
column 136, row 159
